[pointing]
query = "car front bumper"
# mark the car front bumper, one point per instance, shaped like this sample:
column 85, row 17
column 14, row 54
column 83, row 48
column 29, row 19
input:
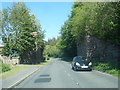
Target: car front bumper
column 83, row 68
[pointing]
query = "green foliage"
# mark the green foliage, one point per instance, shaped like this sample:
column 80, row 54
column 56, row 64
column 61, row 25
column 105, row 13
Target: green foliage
column 109, row 67
column 5, row 67
column 67, row 43
column 82, row 17
column 52, row 51
column 100, row 19
column 51, row 48
column 0, row 67
column 108, row 15
column 18, row 25
column 113, row 71
column 52, row 41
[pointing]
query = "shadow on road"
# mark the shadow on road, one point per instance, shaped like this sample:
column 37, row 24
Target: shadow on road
column 66, row 59
column 42, row 80
column 45, row 75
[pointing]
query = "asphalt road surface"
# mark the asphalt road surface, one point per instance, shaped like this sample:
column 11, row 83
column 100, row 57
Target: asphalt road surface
column 59, row 74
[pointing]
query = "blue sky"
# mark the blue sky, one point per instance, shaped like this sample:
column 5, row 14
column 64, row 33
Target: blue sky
column 51, row 15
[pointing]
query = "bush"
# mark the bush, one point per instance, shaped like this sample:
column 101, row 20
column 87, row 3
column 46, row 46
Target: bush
column 113, row 71
column 0, row 67
column 109, row 67
column 5, row 67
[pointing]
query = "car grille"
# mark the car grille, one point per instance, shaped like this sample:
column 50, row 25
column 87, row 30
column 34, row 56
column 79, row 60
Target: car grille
column 83, row 64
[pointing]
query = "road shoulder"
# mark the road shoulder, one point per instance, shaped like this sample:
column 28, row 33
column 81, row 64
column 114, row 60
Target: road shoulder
column 13, row 80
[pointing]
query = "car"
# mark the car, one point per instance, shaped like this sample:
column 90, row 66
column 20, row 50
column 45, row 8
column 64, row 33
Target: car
column 81, row 63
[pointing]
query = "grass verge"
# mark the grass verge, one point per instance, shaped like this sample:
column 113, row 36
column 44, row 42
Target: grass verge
column 108, row 67
column 12, row 72
column 16, row 69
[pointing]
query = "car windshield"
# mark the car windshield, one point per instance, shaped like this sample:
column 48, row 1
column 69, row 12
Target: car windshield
column 79, row 58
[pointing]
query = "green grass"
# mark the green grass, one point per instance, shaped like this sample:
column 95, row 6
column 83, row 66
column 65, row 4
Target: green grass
column 4, row 67
column 16, row 69
column 0, row 67
column 12, row 72
column 108, row 67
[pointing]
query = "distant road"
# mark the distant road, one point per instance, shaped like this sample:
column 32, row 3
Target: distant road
column 59, row 74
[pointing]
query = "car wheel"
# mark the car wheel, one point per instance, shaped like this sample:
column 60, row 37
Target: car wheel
column 90, row 70
column 75, row 69
column 72, row 68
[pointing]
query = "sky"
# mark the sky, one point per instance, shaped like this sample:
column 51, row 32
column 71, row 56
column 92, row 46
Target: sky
column 51, row 15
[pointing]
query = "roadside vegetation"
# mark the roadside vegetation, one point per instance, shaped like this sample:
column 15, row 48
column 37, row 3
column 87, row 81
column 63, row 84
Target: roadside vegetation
column 94, row 19
column 13, row 71
column 51, row 48
column 7, row 70
column 21, row 33
column 4, row 67
column 108, row 67
column 111, row 67
column 24, row 36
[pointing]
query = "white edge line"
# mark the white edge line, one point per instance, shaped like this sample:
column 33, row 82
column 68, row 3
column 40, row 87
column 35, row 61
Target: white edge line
column 22, row 79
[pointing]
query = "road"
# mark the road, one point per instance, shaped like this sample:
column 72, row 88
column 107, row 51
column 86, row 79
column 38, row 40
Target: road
column 59, row 74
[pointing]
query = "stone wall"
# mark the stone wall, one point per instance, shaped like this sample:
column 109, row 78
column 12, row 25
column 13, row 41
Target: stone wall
column 7, row 60
column 96, row 49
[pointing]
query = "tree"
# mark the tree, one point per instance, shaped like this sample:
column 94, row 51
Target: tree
column 108, row 16
column 51, row 48
column 52, row 41
column 17, row 28
column 100, row 19
column 67, row 43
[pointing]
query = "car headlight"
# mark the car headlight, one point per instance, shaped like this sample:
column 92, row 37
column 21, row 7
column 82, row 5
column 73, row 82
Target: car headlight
column 90, row 64
column 77, row 64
